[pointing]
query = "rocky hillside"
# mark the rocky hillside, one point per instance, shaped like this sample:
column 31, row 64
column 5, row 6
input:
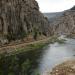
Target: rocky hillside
column 65, row 24
column 21, row 18
column 73, row 8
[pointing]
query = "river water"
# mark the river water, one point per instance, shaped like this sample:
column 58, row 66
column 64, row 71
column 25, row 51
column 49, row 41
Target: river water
column 53, row 54
column 39, row 61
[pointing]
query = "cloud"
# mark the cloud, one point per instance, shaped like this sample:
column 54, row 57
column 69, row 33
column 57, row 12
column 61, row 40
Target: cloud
column 55, row 5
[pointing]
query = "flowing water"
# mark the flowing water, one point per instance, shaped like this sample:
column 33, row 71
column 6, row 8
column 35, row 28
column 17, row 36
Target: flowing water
column 50, row 56
column 38, row 61
column 55, row 54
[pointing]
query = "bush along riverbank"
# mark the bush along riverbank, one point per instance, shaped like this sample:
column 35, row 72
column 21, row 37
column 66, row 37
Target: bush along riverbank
column 22, row 61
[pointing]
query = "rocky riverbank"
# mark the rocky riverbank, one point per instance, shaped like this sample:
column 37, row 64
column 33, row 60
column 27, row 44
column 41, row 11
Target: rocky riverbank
column 66, row 68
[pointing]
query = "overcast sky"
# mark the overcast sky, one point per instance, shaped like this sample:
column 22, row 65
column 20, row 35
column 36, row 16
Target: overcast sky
column 55, row 5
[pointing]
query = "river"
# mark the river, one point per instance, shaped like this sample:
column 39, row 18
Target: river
column 38, row 61
column 55, row 54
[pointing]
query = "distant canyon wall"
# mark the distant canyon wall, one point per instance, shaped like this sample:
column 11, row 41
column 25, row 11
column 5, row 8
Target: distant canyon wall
column 64, row 24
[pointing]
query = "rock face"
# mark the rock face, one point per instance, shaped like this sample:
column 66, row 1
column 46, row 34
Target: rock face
column 20, row 18
column 65, row 24
column 73, row 8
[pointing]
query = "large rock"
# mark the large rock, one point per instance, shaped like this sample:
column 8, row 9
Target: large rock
column 20, row 18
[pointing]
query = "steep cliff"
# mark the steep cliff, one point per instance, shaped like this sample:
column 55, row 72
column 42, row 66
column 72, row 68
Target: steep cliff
column 65, row 24
column 21, row 18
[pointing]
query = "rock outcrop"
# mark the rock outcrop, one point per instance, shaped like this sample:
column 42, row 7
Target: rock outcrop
column 65, row 24
column 20, row 18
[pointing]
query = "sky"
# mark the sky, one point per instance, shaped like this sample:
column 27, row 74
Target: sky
column 55, row 5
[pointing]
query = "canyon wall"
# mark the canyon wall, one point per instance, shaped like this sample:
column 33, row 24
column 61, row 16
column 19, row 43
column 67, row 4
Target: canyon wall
column 20, row 18
column 64, row 24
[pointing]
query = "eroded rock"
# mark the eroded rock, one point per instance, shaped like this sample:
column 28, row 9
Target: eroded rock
column 19, row 18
